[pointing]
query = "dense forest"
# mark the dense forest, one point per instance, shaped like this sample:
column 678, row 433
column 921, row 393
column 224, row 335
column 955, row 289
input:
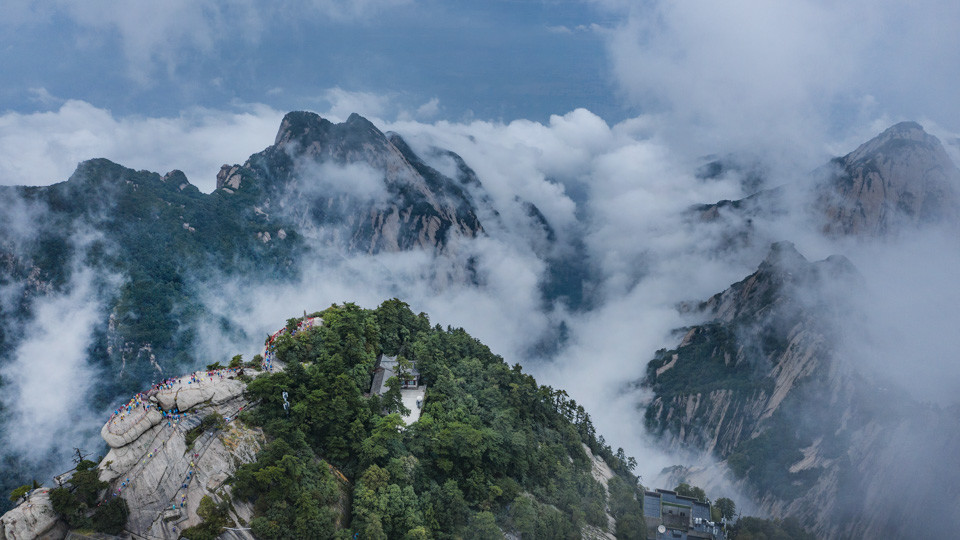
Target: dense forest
column 492, row 450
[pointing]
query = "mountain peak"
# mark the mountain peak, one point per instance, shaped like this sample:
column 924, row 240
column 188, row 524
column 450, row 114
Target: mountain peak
column 894, row 141
column 299, row 124
column 784, row 256
column 356, row 120
column 901, row 177
column 313, row 167
column 307, row 132
column 906, row 126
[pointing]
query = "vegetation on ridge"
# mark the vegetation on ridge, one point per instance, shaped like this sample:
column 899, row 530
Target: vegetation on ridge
column 492, row 450
column 80, row 504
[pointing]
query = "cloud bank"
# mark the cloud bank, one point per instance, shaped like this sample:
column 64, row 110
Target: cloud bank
column 621, row 191
column 47, row 381
column 783, row 78
column 163, row 36
column 44, row 147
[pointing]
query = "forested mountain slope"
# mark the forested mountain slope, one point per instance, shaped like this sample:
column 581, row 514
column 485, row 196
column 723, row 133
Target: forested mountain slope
column 139, row 250
column 492, row 452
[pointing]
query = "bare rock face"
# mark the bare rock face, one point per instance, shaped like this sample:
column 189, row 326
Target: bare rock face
column 761, row 342
column 33, row 518
column 602, row 473
column 163, row 477
column 228, row 178
column 902, row 177
column 762, row 386
column 351, row 185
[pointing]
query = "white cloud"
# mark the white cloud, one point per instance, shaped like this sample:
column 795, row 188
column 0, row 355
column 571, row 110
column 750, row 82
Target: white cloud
column 45, row 147
column 48, row 382
column 904, row 329
column 342, row 103
column 358, row 181
column 164, row 34
column 757, row 75
column 503, row 312
column 348, row 10
column 636, row 188
column 632, row 183
column 428, row 110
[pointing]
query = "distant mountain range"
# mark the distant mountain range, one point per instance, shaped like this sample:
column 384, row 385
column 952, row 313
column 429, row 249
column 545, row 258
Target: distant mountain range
column 346, row 187
column 150, row 243
column 759, row 383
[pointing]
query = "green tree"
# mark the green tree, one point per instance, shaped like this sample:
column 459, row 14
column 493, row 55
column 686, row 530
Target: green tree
column 20, row 492
column 374, row 529
column 691, row 491
column 487, row 434
column 523, row 515
column 727, row 508
column 111, row 516
column 483, row 526
column 715, row 514
column 215, row 517
column 626, row 509
column 391, row 401
column 417, row 533
column 384, row 441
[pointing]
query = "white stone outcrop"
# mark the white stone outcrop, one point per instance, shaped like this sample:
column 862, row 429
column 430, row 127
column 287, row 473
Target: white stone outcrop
column 185, row 394
column 602, row 473
column 33, row 518
column 162, row 478
column 119, row 431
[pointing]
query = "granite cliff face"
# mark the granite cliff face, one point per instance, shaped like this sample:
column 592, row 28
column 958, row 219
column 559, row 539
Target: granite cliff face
column 179, row 443
column 761, row 386
column 901, row 177
column 353, row 186
column 33, row 518
column 730, row 375
column 330, row 457
column 155, row 245
column 767, row 384
column 169, row 448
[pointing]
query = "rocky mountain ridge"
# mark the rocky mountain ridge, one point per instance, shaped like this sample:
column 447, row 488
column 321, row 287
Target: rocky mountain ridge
column 764, row 383
column 180, row 444
column 761, row 387
column 410, row 206
column 154, row 242
column 220, row 452
column 169, row 448
column 900, row 179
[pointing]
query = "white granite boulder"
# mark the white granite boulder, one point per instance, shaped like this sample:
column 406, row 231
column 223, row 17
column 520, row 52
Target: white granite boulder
column 186, row 394
column 123, row 430
column 34, row 518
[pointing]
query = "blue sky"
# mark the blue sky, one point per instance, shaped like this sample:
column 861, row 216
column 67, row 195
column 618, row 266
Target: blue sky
column 190, row 84
column 492, row 59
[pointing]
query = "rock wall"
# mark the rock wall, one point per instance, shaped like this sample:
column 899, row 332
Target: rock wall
column 602, row 473
column 161, row 476
column 762, row 388
column 901, row 177
column 33, row 518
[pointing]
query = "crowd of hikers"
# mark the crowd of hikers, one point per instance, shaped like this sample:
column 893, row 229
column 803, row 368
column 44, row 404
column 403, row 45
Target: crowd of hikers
column 126, row 416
